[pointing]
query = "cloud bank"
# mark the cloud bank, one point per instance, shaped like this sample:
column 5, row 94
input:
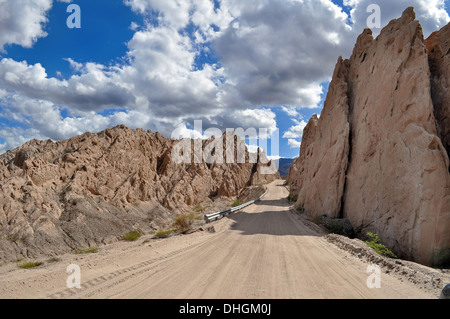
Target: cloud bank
column 225, row 62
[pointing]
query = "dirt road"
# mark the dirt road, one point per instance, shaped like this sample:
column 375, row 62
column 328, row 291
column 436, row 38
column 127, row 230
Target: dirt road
column 264, row 251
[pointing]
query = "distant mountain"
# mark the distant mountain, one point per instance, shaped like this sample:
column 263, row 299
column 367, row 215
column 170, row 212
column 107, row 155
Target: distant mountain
column 284, row 166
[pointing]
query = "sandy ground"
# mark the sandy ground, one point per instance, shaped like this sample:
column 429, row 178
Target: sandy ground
column 265, row 251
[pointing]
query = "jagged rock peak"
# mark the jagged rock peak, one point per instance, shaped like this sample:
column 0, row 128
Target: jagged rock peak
column 376, row 155
column 409, row 13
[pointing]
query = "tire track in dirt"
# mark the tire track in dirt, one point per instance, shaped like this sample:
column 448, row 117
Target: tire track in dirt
column 95, row 286
column 265, row 251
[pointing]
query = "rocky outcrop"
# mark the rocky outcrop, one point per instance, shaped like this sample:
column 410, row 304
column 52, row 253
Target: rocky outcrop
column 320, row 177
column 93, row 188
column 375, row 155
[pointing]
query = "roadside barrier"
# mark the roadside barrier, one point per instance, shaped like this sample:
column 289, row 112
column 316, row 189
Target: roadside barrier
column 217, row 215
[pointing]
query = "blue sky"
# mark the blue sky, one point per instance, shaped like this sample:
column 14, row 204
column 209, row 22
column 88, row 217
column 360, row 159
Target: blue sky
column 160, row 64
column 102, row 38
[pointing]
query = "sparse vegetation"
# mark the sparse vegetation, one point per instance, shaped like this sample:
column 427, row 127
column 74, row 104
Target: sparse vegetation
column 379, row 247
column 132, row 236
column 164, row 233
column 300, row 209
column 339, row 226
column 54, row 260
column 30, row 264
column 292, row 198
column 91, row 250
column 183, row 222
column 441, row 258
column 236, row 203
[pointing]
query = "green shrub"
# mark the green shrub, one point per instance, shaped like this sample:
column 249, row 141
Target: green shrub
column 236, row 203
column 132, row 236
column 183, row 222
column 379, row 247
column 91, row 250
column 441, row 258
column 29, row 265
column 292, row 198
column 340, row 226
column 164, row 233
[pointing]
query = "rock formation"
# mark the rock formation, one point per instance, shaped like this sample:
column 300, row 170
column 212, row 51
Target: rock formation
column 377, row 153
column 438, row 45
column 93, row 188
column 319, row 181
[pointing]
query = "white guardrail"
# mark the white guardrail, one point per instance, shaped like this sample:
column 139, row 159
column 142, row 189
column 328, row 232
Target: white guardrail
column 216, row 216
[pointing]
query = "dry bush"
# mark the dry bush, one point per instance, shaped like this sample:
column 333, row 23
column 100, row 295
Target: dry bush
column 183, row 222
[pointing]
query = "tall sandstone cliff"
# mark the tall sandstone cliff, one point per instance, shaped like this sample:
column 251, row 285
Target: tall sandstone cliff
column 378, row 154
column 93, row 188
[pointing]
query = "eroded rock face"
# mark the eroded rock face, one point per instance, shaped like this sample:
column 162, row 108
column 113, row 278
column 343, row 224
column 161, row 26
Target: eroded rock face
column 93, row 188
column 321, row 167
column 438, row 45
column 396, row 180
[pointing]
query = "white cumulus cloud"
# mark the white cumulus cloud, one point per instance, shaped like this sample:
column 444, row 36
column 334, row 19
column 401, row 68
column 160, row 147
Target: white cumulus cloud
column 269, row 54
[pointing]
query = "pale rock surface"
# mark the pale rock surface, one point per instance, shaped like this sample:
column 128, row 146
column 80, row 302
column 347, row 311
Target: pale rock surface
column 397, row 182
column 319, row 181
column 94, row 188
